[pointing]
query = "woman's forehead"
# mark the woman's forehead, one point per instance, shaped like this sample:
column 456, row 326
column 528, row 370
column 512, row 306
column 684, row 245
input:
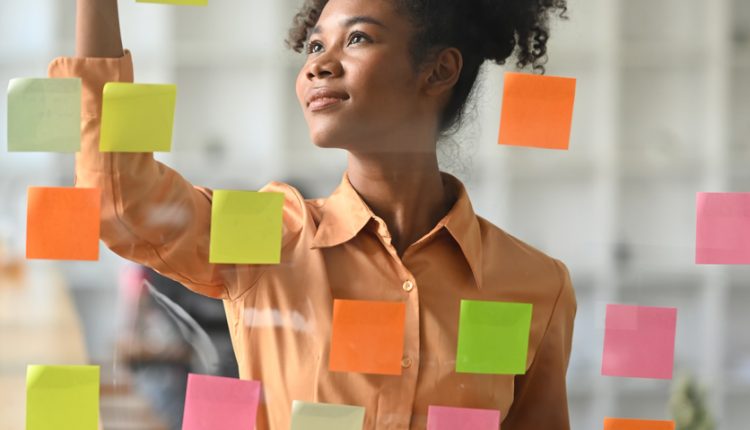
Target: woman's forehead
column 340, row 13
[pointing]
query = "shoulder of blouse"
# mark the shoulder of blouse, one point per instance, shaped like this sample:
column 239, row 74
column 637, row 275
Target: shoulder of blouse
column 511, row 255
column 295, row 210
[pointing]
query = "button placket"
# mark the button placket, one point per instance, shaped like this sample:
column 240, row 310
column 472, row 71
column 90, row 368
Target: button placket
column 410, row 355
column 399, row 396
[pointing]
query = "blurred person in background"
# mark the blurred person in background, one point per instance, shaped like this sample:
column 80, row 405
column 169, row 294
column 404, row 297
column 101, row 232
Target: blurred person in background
column 161, row 344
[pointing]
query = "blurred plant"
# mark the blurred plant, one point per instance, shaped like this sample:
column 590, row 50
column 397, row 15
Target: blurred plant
column 689, row 407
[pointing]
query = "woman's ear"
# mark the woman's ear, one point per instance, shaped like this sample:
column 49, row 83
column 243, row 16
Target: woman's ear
column 444, row 71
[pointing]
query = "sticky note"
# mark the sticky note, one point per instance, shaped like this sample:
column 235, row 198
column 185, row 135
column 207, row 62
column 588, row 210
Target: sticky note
column 323, row 416
column 449, row 418
column 723, row 228
column 633, row 424
column 214, row 402
column 639, row 341
column 246, row 227
column 44, row 115
column 177, row 2
column 137, row 117
column 493, row 337
column 62, row 397
column 368, row 337
column 63, row 223
column 537, row 111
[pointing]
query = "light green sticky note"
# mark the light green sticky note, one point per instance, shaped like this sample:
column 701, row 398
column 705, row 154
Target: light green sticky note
column 246, row 227
column 493, row 337
column 62, row 397
column 44, row 115
column 137, row 117
column 324, row 416
column 177, row 2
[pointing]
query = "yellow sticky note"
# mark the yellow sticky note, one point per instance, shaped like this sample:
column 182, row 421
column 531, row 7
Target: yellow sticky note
column 177, row 2
column 62, row 397
column 246, row 227
column 137, row 117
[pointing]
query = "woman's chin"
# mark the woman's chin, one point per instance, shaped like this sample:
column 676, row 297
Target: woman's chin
column 325, row 139
column 323, row 143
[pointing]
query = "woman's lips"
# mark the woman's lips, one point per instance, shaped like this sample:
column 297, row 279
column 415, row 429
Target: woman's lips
column 324, row 102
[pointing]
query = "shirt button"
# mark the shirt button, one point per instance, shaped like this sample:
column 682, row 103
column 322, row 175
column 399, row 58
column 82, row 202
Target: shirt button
column 406, row 362
column 408, row 286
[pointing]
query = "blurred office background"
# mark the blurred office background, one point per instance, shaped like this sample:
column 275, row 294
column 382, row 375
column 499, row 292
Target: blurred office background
column 662, row 112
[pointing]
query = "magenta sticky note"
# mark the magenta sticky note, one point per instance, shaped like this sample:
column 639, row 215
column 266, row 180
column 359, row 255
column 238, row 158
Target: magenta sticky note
column 639, row 341
column 215, row 402
column 450, row 418
column 723, row 228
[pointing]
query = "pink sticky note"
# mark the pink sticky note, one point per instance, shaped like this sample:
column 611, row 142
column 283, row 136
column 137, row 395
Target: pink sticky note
column 723, row 228
column 639, row 341
column 214, row 402
column 447, row 418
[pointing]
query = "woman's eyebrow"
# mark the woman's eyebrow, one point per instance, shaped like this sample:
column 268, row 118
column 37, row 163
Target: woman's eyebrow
column 352, row 21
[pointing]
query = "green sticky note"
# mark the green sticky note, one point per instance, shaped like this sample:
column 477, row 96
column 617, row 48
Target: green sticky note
column 246, row 227
column 323, row 416
column 44, row 115
column 177, row 2
column 493, row 337
column 137, row 117
column 62, row 397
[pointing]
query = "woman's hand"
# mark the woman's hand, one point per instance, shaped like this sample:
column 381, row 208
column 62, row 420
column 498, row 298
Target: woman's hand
column 98, row 29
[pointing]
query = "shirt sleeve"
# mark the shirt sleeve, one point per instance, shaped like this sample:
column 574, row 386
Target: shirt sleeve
column 540, row 396
column 149, row 213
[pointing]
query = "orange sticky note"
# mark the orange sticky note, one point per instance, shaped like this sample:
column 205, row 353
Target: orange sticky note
column 537, row 111
column 368, row 337
column 63, row 223
column 633, row 424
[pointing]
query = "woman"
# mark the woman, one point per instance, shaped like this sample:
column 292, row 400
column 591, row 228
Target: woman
column 383, row 79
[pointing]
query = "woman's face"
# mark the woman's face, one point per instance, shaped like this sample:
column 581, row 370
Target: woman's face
column 358, row 63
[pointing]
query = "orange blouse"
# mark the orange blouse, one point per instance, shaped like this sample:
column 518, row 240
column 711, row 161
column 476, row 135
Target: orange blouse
column 336, row 248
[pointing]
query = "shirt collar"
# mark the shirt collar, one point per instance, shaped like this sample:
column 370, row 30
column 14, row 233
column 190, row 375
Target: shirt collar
column 463, row 225
column 345, row 214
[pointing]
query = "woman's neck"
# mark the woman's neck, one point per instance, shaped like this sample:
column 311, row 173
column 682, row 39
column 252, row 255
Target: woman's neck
column 404, row 189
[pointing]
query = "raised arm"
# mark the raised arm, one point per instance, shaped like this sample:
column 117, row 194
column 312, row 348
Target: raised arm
column 150, row 214
column 98, row 29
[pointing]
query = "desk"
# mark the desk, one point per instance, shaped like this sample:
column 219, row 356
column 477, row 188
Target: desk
column 38, row 325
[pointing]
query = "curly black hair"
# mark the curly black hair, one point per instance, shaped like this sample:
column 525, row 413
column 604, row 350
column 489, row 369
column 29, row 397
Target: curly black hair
column 480, row 29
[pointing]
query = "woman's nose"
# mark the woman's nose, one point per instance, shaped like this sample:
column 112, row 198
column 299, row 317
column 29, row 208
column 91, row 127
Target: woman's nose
column 324, row 66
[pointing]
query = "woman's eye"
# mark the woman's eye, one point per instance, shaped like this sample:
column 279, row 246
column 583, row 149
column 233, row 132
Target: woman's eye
column 357, row 36
column 311, row 47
